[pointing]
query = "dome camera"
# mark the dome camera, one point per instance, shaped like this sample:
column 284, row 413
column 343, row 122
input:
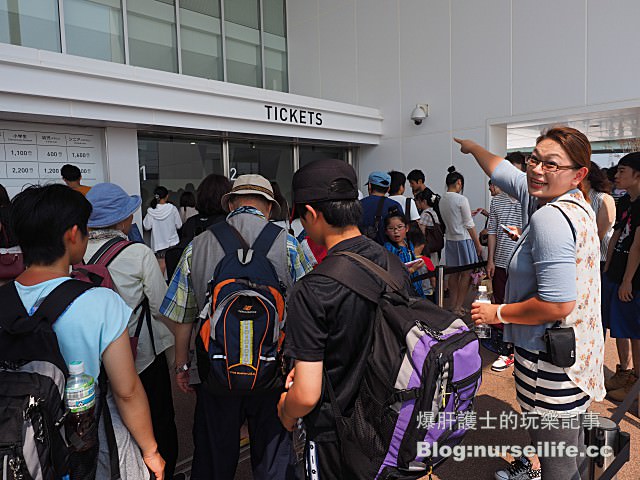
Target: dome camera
column 420, row 113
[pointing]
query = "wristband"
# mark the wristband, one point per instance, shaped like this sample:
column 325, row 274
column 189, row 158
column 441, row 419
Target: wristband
column 499, row 313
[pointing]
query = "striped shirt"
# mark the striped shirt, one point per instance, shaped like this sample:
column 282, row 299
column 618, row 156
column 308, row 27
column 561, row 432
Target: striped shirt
column 504, row 210
column 179, row 303
column 543, row 388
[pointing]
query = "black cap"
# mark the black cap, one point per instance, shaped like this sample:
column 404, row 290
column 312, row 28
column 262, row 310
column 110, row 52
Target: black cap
column 315, row 182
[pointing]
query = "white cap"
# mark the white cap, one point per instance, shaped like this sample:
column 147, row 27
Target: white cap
column 76, row 368
column 482, row 288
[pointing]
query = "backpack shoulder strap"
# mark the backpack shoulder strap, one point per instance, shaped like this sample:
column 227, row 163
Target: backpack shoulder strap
column 60, row 298
column 407, row 210
column 374, row 268
column 345, row 272
column 12, row 307
column 378, row 215
column 228, row 237
column 108, row 251
column 341, row 267
column 265, row 239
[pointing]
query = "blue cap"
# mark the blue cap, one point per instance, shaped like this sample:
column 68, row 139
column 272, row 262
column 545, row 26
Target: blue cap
column 111, row 205
column 381, row 179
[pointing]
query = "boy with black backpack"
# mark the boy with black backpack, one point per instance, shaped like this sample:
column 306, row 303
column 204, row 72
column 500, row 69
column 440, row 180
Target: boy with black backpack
column 329, row 325
column 370, row 361
column 232, row 279
column 48, row 321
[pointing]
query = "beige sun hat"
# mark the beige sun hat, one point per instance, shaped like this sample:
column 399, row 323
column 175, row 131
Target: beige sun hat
column 251, row 184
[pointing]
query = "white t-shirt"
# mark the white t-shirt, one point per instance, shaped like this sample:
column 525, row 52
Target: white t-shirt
column 402, row 200
column 456, row 215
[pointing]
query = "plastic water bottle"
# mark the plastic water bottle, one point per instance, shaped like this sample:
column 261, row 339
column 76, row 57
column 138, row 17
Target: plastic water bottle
column 483, row 331
column 80, row 398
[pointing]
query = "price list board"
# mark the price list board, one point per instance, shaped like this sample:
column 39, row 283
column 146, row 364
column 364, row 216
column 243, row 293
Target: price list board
column 34, row 154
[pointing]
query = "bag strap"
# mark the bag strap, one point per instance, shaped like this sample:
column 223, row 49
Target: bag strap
column 377, row 270
column 60, row 298
column 564, row 214
column 105, row 413
column 433, row 220
column 266, row 238
column 338, row 267
column 12, row 307
column 229, row 238
column 145, row 317
column 407, row 210
column 108, row 251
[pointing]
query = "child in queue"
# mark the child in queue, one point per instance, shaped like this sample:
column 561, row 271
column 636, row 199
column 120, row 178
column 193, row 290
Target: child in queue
column 396, row 231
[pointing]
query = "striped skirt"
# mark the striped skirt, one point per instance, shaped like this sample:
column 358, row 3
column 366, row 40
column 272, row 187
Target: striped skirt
column 543, row 388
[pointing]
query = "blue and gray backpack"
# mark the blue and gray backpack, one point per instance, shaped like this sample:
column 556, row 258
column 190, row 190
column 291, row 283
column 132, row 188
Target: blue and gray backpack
column 241, row 330
column 423, row 371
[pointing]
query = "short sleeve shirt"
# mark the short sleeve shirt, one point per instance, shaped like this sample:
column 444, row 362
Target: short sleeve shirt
column 328, row 322
column 91, row 323
column 628, row 221
column 369, row 210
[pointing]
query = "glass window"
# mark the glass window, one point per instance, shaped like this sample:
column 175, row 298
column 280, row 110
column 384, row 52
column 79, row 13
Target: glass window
column 275, row 63
column 273, row 15
column 30, row 23
column 178, row 164
column 274, row 162
column 152, row 34
column 242, row 31
column 201, row 40
column 94, row 29
column 311, row 153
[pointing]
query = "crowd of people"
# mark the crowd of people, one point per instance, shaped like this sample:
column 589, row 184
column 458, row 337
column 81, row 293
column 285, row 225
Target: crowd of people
column 225, row 269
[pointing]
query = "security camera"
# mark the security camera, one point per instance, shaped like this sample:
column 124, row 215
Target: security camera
column 420, row 113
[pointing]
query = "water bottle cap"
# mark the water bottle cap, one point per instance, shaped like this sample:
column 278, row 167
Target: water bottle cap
column 76, row 368
column 482, row 288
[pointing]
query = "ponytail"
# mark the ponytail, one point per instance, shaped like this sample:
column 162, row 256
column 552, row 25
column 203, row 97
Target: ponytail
column 158, row 193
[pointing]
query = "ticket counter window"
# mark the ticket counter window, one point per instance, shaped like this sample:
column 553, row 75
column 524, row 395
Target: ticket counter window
column 178, row 164
column 311, row 153
column 274, row 162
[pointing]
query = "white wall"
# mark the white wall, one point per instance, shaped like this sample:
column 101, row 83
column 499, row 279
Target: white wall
column 122, row 161
column 471, row 61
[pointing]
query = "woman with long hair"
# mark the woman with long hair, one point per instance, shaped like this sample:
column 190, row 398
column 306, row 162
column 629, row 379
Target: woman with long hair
column 462, row 246
column 552, row 300
column 597, row 189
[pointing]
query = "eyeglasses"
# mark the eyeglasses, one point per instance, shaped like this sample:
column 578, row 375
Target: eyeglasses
column 547, row 165
column 399, row 228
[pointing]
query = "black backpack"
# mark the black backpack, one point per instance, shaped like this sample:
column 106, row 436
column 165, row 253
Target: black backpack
column 422, row 363
column 33, row 375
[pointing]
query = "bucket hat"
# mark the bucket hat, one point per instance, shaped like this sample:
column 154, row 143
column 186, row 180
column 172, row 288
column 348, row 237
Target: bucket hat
column 251, row 184
column 111, row 205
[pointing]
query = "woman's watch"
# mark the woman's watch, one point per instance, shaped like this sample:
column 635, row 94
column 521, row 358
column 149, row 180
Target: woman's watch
column 183, row 368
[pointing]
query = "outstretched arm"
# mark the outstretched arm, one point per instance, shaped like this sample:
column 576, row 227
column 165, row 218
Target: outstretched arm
column 487, row 160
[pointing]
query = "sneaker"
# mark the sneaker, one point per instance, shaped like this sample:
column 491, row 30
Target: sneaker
column 502, row 363
column 620, row 394
column 520, row 469
column 618, row 380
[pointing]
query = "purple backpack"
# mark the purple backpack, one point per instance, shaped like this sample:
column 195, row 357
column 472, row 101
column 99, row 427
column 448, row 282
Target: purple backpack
column 423, row 372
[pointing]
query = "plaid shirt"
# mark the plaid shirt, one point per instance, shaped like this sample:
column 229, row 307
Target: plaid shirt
column 179, row 303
